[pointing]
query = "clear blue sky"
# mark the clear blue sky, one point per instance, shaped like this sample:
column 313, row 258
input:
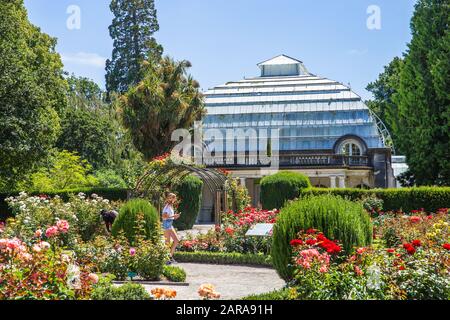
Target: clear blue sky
column 225, row 39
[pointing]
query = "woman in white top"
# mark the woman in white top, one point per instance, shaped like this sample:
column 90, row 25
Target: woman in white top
column 168, row 216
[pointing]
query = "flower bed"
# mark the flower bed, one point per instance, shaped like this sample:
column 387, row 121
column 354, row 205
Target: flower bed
column 230, row 235
column 408, row 260
column 53, row 249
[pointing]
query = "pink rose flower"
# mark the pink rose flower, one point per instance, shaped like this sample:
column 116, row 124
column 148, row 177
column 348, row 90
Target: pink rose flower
column 51, row 232
column 63, row 226
column 132, row 252
column 93, row 278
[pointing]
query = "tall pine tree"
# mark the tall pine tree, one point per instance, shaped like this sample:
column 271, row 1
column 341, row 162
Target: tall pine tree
column 423, row 95
column 132, row 30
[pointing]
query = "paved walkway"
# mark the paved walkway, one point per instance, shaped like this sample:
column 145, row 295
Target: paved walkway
column 232, row 282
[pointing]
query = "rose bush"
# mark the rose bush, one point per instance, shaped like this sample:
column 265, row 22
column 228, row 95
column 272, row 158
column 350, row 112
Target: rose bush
column 417, row 267
column 33, row 213
column 40, row 271
column 230, row 235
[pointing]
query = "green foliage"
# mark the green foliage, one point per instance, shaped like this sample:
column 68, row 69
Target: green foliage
column 237, row 194
column 166, row 99
column 406, row 199
column 108, row 178
column 32, row 90
column 224, row 258
column 422, row 95
column 84, row 94
column 283, row 294
column 175, row 274
column 372, row 203
column 127, row 220
column 190, row 193
column 337, row 218
column 88, row 133
column 66, row 170
column 280, row 187
column 383, row 90
column 106, row 290
column 132, row 31
column 92, row 128
column 150, row 259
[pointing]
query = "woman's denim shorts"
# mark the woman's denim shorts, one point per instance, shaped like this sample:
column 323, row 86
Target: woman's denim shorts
column 167, row 224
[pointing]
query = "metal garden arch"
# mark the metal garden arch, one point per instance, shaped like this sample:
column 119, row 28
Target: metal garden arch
column 155, row 181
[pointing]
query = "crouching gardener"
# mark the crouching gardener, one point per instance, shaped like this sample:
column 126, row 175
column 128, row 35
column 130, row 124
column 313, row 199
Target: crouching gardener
column 109, row 216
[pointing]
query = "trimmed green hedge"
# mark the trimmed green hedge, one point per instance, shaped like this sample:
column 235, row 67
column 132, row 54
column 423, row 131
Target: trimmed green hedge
column 190, row 193
column 282, row 294
column 281, row 187
column 406, row 199
column 232, row 258
column 337, row 218
column 112, row 194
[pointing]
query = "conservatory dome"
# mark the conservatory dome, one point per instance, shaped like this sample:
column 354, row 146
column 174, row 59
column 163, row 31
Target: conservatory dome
column 312, row 113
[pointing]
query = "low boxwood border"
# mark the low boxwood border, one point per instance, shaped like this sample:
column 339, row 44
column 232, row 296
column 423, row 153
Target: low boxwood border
column 277, row 295
column 231, row 258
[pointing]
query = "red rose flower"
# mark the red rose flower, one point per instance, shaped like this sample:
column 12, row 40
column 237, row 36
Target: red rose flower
column 311, row 231
column 296, row 242
column 446, row 246
column 311, row 242
column 416, row 243
column 409, row 248
column 415, row 219
column 390, row 250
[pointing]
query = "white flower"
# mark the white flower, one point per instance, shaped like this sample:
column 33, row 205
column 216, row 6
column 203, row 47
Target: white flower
column 73, row 276
column 374, row 277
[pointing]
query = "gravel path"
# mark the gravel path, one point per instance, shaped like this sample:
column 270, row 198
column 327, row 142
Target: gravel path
column 232, row 282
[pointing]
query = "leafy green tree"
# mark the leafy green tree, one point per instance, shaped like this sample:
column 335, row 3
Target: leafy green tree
column 66, row 171
column 32, row 90
column 90, row 134
column 92, row 128
column 108, row 178
column 132, row 30
column 166, row 99
column 85, row 93
column 383, row 90
column 423, row 95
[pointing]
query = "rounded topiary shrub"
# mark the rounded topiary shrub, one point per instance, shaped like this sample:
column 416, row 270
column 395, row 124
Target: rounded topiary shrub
column 337, row 218
column 189, row 192
column 127, row 220
column 281, row 187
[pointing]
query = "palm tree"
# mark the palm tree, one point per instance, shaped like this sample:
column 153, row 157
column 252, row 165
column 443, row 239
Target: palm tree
column 166, row 99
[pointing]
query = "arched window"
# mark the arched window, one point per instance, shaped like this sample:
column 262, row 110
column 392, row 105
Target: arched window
column 350, row 148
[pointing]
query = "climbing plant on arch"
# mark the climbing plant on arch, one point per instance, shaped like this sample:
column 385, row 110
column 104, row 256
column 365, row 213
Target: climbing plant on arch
column 164, row 174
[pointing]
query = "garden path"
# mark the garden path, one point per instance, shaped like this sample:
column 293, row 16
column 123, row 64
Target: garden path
column 232, row 282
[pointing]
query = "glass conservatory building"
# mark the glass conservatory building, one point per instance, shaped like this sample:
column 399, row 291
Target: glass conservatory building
column 324, row 129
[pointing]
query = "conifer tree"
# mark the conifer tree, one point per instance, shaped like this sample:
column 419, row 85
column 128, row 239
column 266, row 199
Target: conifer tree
column 423, row 96
column 132, row 30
